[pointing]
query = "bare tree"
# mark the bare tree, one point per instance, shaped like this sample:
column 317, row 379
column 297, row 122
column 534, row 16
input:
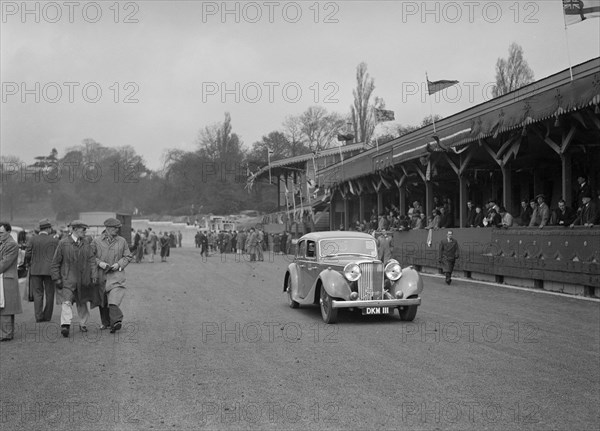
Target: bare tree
column 292, row 129
column 362, row 118
column 320, row 128
column 512, row 73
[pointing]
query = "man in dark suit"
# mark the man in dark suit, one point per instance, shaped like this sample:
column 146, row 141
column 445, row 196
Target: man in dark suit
column 563, row 215
column 448, row 254
column 470, row 214
column 589, row 215
column 38, row 257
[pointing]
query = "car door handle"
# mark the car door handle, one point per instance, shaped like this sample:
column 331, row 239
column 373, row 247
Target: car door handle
column 301, row 266
column 312, row 267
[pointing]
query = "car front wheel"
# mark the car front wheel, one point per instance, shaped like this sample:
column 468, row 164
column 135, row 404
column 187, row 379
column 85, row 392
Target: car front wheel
column 408, row 312
column 328, row 313
column 288, row 290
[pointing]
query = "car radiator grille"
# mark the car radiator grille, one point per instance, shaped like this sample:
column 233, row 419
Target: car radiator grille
column 370, row 283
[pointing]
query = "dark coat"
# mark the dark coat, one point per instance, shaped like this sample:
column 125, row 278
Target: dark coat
column 589, row 215
column 75, row 265
column 564, row 218
column 478, row 220
column 9, row 254
column 448, row 254
column 471, row 213
column 39, row 253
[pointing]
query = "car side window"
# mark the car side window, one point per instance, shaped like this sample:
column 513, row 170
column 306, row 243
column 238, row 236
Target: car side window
column 311, row 249
column 301, row 249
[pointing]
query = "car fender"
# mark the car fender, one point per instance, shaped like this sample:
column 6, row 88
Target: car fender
column 410, row 283
column 292, row 273
column 335, row 284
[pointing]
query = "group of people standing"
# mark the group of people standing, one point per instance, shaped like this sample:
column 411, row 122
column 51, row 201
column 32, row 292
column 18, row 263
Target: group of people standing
column 253, row 242
column 76, row 269
column 148, row 243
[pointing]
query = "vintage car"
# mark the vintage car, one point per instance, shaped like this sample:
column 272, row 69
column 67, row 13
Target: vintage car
column 341, row 270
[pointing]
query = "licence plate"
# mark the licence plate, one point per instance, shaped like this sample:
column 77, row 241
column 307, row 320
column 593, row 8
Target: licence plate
column 376, row 310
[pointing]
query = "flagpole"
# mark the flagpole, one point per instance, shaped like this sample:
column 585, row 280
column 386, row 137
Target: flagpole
column 430, row 102
column 567, row 40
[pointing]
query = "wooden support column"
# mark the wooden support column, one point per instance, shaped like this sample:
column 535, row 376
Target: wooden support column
column 565, row 161
column 428, row 198
column 332, row 202
column 462, row 198
column 346, row 213
column 379, row 202
column 361, row 207
column 507, row 186
column 402, row 200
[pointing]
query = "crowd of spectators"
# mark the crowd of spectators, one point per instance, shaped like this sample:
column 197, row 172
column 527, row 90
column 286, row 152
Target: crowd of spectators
column 532, row 213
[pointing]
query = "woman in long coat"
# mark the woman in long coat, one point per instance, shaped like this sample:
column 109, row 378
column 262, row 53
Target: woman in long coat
column 9, row 253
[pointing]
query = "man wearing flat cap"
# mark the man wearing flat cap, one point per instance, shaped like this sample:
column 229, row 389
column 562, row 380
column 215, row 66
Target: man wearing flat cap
column 38, row 257
column 73, row 270
column 541, row 215
column 112, row 256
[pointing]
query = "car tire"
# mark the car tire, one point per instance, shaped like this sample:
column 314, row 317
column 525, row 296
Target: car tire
column 408, row 313
column 288, row 290
column 328, row 313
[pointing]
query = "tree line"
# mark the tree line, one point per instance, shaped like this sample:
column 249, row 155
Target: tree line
column 211, row 178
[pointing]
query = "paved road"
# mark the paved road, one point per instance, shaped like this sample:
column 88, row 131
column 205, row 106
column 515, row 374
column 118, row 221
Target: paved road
column 213, row 345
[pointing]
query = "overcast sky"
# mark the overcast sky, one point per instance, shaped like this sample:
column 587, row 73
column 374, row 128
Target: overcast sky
column 183, row 64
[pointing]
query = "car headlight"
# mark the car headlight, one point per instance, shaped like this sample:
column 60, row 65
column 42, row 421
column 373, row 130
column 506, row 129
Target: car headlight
column 393, row 271
column 352, row 272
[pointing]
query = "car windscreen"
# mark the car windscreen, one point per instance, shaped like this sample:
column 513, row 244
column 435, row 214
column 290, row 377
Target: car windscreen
column 335, row 246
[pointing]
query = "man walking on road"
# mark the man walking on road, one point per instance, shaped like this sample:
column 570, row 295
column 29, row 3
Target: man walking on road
column 73, row 270
column 38, row 257
column 448, row 255
column 112, row 256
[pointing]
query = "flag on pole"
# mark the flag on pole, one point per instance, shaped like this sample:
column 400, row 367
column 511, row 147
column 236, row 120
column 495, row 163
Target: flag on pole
column 382, row 115
column 435, row 86
column 579, row 10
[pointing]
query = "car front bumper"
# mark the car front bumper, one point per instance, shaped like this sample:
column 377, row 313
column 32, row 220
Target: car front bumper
column 376, row 303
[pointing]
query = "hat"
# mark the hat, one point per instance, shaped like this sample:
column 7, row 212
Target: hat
column 541, row 195
column 586, row 195
column 78, row 223
column 45, row 224
column 112, row 222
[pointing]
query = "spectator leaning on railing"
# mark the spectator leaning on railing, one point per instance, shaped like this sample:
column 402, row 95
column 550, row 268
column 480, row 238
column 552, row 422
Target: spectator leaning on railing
column 541, row 214
column 479, row 216
column 506, row 220
column 525, row 214
column 589, row 215
column 471, row 213
column 563, row 215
